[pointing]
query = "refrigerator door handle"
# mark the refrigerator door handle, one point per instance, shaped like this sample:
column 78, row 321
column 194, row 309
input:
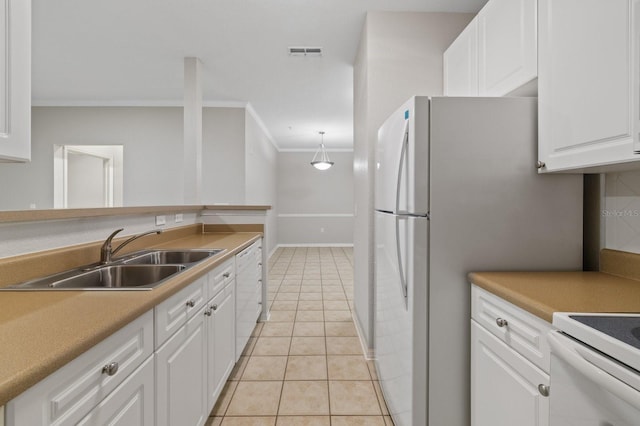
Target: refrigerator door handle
column 403, row 153
column 403, row 278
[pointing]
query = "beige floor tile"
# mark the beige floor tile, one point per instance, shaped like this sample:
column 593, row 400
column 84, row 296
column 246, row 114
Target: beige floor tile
column 308, row 367
column 310, row 316
column 282, row 316
column 238, row 369
column 343, row 329
column 334, row 295
column 311, row 289
column 337, row 316
column 265, row 368
column 343, row 346
column 347, row 367
column 287, row 296
column 327, row 288
column 288, row 288
column 329, row 281
column 357, row 421
column 310, row 305
column 372, row 369
column 310, row 296
column 257, row 329
column 248, row 348
column 220, row 408
column 272, row 346
column 255, row 399
column 275, row 329
column 353, row 398
column 381, row 401
column 249, row 421
column 304, row 398
column 303, row 421
column 284, row 305
column 388, row 421
column 213, row 421
column 334, row 305
column 309, row 328
column 308, row 346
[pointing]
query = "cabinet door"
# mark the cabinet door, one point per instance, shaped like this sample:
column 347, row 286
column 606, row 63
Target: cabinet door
column 181, row 382
column 504, row 385
column 131, row 403
column 221, row 342
column 507, row 46
column 460, row 63
column 15, row 80
column 586, row 89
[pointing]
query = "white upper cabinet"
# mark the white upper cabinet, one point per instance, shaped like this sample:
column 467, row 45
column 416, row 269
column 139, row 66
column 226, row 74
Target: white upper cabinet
column 15, row 80
column 496, row 54
column 507, row 46
column 588, row 84
column 461, row 63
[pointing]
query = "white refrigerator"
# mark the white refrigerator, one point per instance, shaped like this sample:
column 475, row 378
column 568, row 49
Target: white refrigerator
column 456, row 191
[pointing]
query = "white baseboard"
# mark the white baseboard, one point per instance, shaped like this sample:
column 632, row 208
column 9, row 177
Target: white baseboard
column 316, row 245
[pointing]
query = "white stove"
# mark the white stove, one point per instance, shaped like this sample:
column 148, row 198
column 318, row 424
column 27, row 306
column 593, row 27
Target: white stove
column 595, row 370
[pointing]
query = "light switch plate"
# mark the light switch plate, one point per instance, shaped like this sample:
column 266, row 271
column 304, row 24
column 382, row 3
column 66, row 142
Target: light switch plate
column 161, row 220
column 179, row 217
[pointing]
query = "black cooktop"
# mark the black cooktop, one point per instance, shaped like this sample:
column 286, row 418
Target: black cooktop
column 623, row 328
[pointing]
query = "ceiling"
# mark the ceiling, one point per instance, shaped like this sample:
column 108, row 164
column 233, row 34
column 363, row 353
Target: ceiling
column 130, row 52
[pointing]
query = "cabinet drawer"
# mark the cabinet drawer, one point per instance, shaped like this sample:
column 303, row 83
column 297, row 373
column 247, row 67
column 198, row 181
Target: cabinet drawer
column 221, row 276
column 174, row 312
column 70, row 393
column 522, row 331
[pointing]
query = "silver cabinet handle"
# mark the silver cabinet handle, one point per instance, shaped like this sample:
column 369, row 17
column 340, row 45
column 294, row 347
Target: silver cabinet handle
column 540, row 164
column 544, row 389
column 226, row 274
column 214, row 307
column 207, row 312
column 191, row 303
column 501, row 322
column 259, row 263
column 110, row 369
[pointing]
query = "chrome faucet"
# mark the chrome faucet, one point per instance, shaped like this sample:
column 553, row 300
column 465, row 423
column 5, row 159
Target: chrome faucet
column 106, row 253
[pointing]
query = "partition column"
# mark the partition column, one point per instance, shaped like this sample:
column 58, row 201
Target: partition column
column 192, row 131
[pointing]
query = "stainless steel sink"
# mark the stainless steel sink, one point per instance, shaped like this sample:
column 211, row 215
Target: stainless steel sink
column 137, row 271
column 168, row 257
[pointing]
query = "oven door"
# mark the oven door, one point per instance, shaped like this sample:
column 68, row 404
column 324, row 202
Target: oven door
column 589, row 388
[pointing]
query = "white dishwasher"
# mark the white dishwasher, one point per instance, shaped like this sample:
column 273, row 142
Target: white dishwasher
column 595, row 370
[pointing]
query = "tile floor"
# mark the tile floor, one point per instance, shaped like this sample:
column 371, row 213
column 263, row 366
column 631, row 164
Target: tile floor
column 305, row 366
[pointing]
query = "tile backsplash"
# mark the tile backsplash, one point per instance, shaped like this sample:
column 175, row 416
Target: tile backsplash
column 621, row 212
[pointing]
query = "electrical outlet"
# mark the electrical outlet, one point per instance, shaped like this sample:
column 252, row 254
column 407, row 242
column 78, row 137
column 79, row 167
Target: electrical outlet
column 161, row 220
column 179, row 217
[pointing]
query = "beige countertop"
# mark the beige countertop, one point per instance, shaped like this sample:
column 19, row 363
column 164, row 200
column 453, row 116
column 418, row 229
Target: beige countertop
column 42, row 331
column 543, row 293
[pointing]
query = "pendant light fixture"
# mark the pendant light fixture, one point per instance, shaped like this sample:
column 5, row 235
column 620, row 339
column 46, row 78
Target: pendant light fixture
column 321, row 159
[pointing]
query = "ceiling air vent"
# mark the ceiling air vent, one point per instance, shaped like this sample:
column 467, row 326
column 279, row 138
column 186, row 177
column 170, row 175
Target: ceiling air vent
column 305, row 51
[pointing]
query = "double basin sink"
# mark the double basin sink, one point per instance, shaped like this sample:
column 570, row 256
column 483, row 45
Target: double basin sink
column 142, row 270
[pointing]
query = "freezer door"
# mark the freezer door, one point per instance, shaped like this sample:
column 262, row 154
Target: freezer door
column 401, row 174
column 400, row 316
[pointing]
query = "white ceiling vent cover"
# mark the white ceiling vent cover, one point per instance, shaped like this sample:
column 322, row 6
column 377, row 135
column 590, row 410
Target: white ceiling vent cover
column 305, row 51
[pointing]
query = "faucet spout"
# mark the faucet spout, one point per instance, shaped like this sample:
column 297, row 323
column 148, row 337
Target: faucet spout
column 106, row 252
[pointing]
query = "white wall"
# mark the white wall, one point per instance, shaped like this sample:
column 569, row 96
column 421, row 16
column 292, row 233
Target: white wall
column 261, row 165
column 152, row 139
column 400, row 55
column 621, row 212
column 315, row 207
column 223, row 153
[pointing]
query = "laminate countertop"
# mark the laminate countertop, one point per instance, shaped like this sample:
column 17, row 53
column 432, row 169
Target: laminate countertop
column 41, row 331
column 543, row 293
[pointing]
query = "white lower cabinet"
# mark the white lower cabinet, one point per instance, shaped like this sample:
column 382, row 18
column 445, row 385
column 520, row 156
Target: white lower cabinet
column 509, row 364
column 181, row 363
column 221, row 341
column 248, row 293
column 504, row 385
column 132, row 403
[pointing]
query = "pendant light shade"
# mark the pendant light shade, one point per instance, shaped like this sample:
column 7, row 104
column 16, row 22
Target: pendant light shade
column 321, row 159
